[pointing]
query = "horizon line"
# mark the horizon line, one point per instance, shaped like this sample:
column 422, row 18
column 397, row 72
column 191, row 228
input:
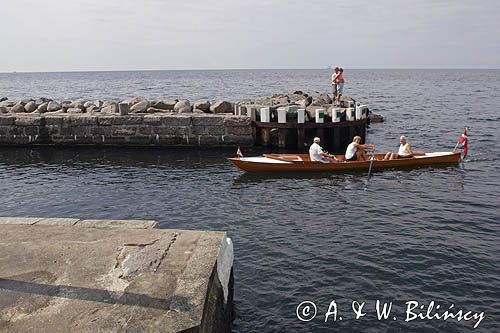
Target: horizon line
column 246, row 69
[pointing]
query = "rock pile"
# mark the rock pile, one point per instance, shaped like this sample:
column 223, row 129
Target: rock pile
column 136, row 105
column 309, row 101
column 139, row 105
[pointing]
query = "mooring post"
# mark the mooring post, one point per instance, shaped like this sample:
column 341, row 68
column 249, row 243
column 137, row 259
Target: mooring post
column 282, row 137
column 336, row 139
column 266, row 136
column 301, row 137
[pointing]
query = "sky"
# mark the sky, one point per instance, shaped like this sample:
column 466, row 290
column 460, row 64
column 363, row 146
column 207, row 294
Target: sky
column 82, row 35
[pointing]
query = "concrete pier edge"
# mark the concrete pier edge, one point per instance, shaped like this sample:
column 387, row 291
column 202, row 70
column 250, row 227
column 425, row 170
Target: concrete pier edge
column 81, row 275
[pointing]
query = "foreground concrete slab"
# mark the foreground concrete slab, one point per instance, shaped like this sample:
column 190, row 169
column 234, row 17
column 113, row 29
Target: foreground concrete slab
column 64, row 278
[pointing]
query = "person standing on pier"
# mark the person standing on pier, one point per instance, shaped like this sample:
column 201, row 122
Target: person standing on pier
column 334, row 82
column 340, row 86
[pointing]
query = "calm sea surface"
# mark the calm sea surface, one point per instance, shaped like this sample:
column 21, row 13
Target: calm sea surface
column 425, row 234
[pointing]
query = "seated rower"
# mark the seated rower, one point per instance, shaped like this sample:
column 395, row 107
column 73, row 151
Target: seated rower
column 356, row 151
column 403, row 152
column 316, row 153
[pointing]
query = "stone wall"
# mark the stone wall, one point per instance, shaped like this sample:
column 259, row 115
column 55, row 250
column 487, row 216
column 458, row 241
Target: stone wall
column 158, row 129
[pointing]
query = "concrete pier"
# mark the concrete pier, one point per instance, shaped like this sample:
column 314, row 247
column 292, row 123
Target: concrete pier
column 72, row 275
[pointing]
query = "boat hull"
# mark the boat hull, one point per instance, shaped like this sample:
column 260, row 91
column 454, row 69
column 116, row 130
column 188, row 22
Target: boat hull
column 300, row 163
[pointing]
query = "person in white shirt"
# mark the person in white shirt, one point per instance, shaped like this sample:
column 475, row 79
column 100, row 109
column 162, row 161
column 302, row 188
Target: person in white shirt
column 316, row 153
column 403, row 152
column 356, row 151
column 334, row 83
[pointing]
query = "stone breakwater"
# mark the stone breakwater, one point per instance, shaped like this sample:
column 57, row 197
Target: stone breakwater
column 159, row 129
column 162, row 122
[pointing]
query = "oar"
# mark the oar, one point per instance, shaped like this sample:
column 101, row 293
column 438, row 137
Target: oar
column 370, row 167
column 372, row 158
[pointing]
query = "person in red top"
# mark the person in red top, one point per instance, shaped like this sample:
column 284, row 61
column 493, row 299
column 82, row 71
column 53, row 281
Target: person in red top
column 340, row 85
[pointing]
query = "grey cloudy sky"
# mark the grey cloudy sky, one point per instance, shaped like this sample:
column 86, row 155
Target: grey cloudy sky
column 61, row 35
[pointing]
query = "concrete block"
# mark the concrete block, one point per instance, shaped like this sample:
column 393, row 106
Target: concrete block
column 105, row 120
column 31, row 130
column 19, row 220
column 124, row 108
column 7, row 120
column 120, row 224
column 198, row 130
column 216, row 130
column 152, row 120
column 241, row 140
column 208, row 120
column 82, row 120
column 237, row 121
column 128, row 120
column 28, row 120
column 247, row 130
column 54, row 120
column 176, row 120
column 144, row 130
column 170, row 130
column 64, row 222
column 141, row 140
column 124, row 130
column 170, row 140
column 210, row 140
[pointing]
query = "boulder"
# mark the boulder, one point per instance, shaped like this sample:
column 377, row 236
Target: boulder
column 375, row 118
column 8, row 103
column 88, row 104
column 61, row 111
column 3, row 99
column 305, row 102
column 221, row 107
column 92, row 108
column 203, row 106
column 78, row 104
column 42, row 107
column 137, row 100
column 18, row 108
column 30, row 106
column 155, row 110
column 42, row 100
column 165, row 104
column 320, row 99
column 311, row 112
column 108, row 103
column 112, row 107
column 74, row 110
column 296, row 97
column 66, row 104
column 139, row 107
column 280, row 101
column 4, row 109
column 53, row 106
column 25, row 101
column 183, row 106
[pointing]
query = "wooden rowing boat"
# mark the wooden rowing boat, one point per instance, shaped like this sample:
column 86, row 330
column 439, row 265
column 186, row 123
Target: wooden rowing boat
column 301, row 162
